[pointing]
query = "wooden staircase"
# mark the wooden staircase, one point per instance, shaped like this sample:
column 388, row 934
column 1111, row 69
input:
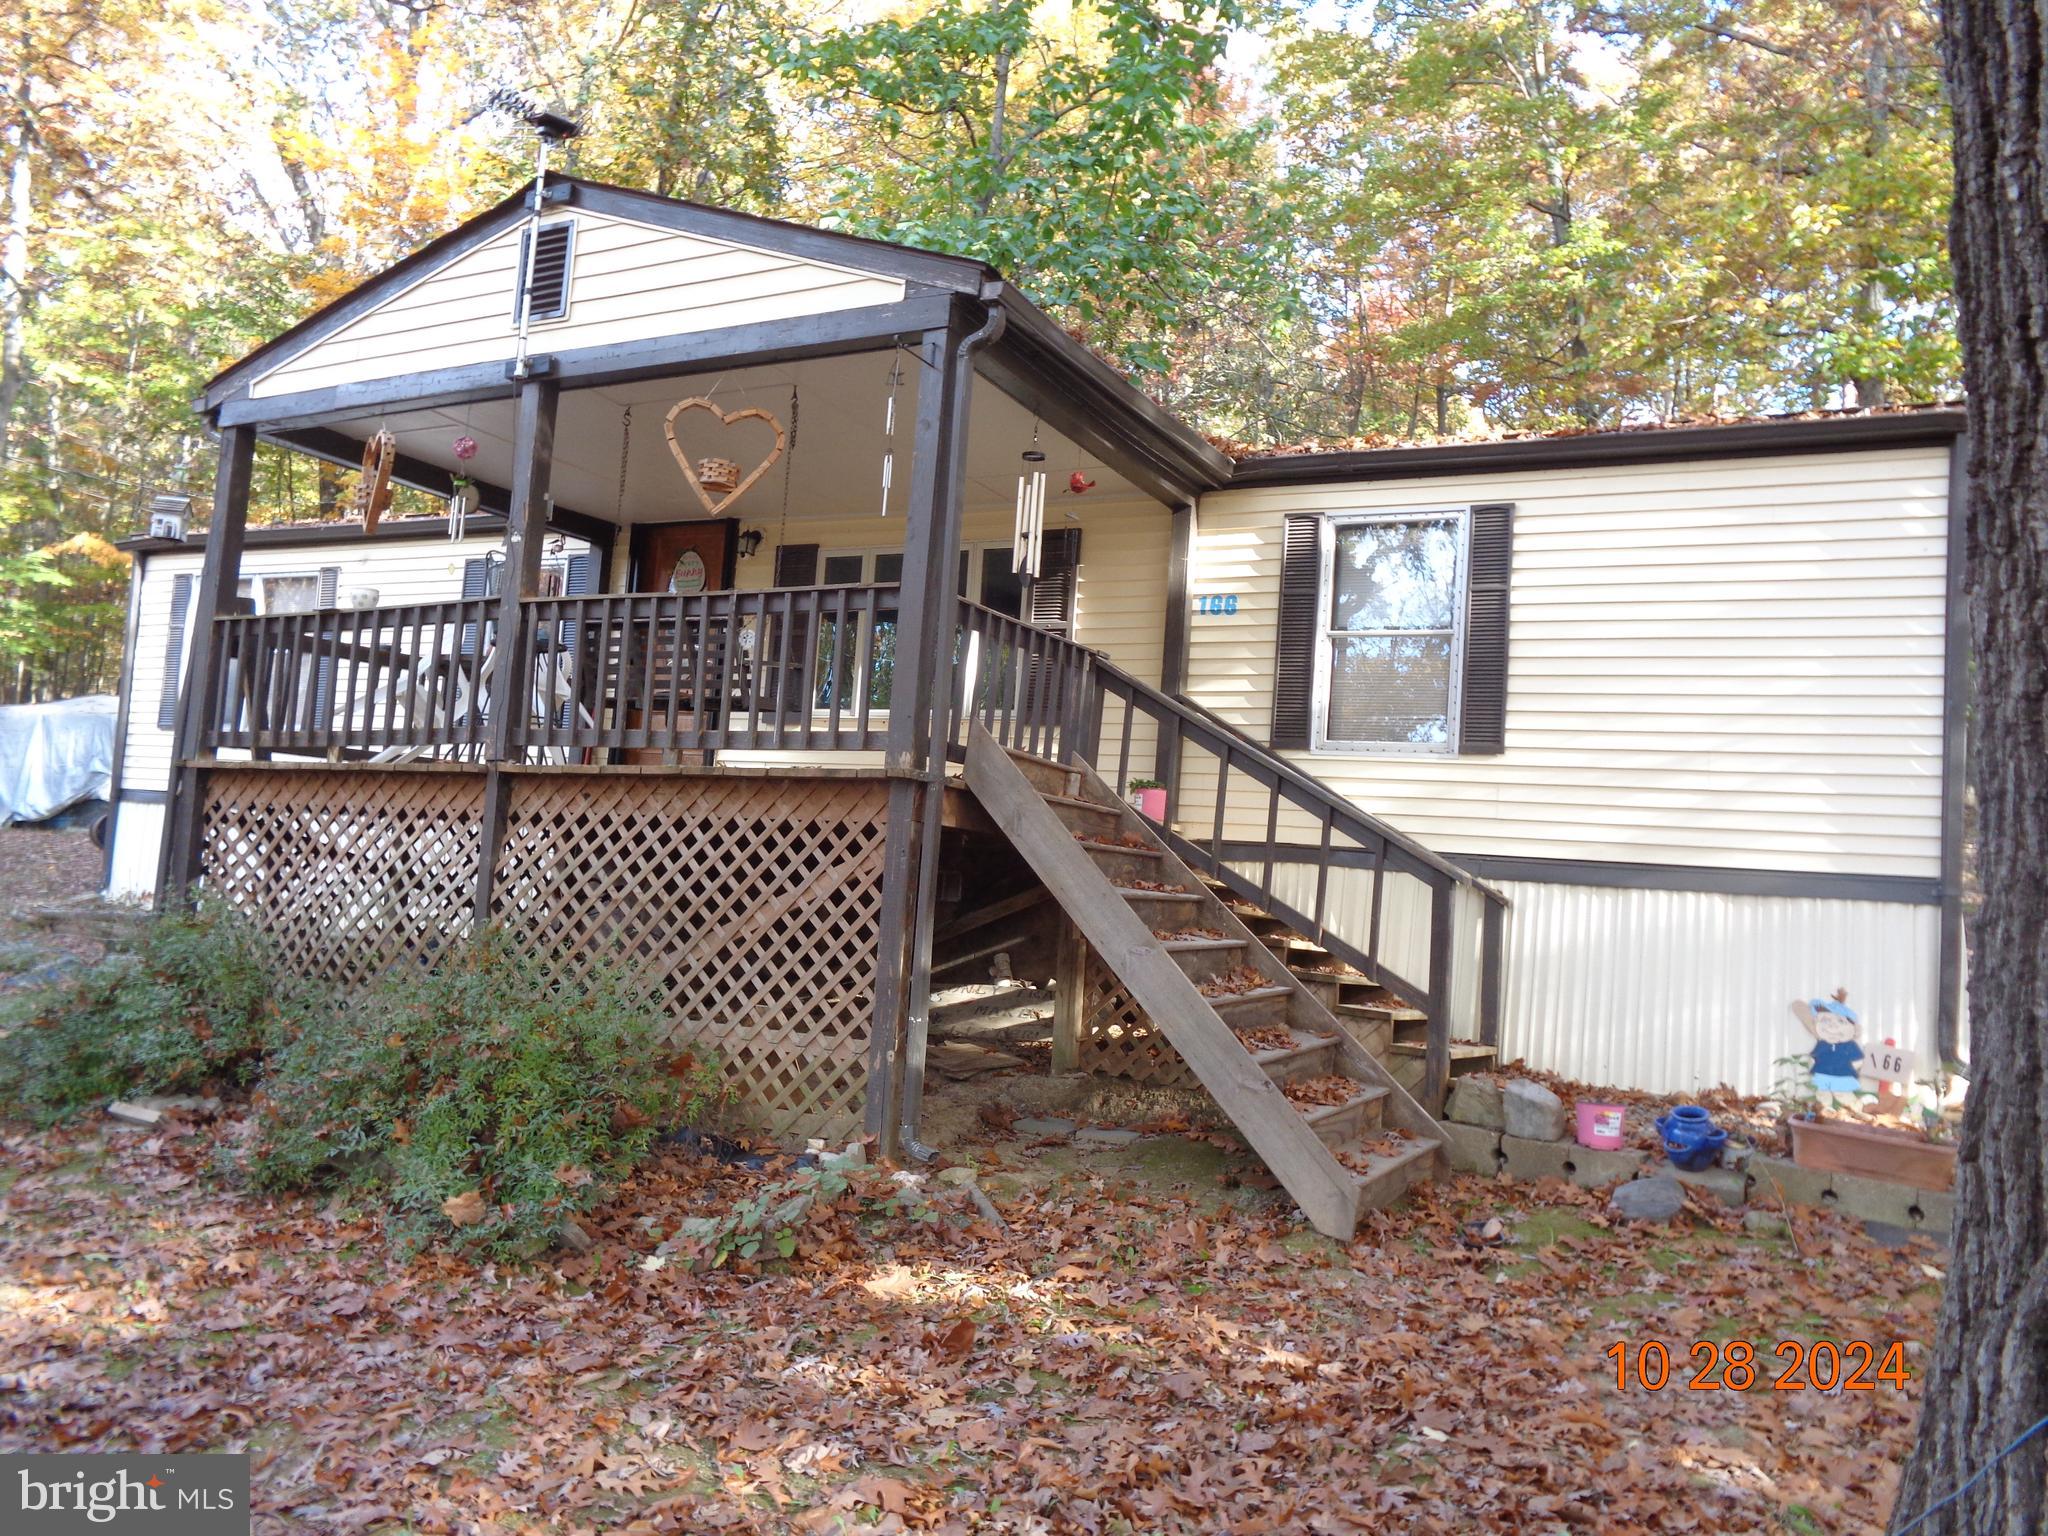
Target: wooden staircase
column 1348, row 1137
column 1389, row 1027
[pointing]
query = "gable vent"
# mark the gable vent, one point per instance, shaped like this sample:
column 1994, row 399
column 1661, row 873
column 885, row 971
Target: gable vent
column 546, row 275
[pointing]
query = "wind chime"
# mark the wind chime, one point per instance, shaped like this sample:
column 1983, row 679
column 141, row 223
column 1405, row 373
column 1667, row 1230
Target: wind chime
column 462, row 492
column 889, row 431
column 1027, row 544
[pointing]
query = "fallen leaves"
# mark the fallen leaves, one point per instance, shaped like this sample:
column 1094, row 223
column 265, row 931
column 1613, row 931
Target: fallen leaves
column 465, row 1209
column 1139, row 1356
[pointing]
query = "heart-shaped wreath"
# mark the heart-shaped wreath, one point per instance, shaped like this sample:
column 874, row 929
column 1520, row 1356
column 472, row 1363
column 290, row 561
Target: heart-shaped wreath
column 725, row 419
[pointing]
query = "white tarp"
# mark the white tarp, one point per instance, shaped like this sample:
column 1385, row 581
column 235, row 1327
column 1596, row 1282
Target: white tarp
column 55, row 755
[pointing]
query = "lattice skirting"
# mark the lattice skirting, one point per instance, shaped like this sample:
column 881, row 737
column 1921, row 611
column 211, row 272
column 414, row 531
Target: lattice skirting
column 753, row 906
column 1119, row 1040
column 350, row 873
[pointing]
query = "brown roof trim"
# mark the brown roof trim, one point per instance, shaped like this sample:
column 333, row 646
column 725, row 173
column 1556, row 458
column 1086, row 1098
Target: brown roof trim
column 319, row 535
column 1663, row 445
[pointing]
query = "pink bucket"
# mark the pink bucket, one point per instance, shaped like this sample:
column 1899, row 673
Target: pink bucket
column 1599, row 1125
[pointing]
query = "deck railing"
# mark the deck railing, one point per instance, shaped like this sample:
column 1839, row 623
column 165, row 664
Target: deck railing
column 1372, row 896
column 806, row 668
column 796, row 668
column 354, row 684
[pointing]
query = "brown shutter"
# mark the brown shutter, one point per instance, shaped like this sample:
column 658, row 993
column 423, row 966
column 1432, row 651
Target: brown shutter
column 1483, row 713
column 174, row 654
column 1294, row 647
column 1049, row 603
column 796, row 565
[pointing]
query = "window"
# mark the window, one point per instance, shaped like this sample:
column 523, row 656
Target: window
column 297, row 593
column 999, row 586
column 1391, row 633
column 853, row 568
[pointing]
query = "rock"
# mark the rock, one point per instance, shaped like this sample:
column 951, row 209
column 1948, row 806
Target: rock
column 1657, row 1199
column 1037, row 1127
column 164, row 1103
column 1532, row 1111
column 960, row 1174
column 1725, row 1184
column 1476, row 1100
column 573, row 1237
column 133, row 1114
column 1104, row 1136
column 1473, row 1148
column 1765, row 1224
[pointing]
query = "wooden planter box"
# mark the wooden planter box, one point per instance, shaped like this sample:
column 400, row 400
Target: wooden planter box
column 1874, row 1152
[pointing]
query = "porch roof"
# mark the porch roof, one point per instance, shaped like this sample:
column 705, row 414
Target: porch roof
column 879, row 287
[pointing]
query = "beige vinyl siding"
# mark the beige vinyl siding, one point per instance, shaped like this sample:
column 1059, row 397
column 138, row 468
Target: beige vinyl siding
column 1736, row 663
column 628, row 282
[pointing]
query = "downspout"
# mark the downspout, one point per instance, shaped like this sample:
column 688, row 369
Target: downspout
column 934, row 771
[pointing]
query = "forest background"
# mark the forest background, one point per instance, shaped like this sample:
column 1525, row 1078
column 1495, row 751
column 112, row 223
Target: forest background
column 1333, row 223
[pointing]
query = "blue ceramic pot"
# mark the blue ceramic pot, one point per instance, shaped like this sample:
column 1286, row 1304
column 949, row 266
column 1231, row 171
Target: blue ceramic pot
column 1691, row 1139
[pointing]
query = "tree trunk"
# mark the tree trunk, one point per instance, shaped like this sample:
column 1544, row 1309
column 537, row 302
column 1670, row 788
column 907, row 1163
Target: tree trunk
column 14, row 291
column 1988, row 1381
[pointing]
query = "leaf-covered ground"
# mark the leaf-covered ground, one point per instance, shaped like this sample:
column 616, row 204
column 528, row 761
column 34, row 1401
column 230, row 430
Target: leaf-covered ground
column 1142, row 1348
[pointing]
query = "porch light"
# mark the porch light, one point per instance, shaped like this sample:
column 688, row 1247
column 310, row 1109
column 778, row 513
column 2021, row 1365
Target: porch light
column 750, row 543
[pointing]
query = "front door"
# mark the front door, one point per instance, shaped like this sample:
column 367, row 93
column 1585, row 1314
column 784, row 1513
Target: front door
column 685, row 558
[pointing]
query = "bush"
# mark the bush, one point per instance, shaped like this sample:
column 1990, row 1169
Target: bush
column 189, row 1009
column 488, row 1099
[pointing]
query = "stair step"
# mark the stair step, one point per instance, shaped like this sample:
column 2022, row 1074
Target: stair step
column 1390, row 1013
column 1203, row 959
column 1076, row 803
column 1465, row 1056
column 1043, row 774
column 1131, row 893
column 1308, row 1057
column 1245, row 1010
column 1339, row 1124
column 1121, row 866
column 1389, row 1175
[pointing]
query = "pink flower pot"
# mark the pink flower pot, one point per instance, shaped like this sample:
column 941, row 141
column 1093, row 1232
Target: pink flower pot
column 1152, row 805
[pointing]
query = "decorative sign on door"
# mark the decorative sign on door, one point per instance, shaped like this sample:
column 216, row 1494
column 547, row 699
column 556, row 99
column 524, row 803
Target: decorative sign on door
column 688, row 578
column 1217, row 604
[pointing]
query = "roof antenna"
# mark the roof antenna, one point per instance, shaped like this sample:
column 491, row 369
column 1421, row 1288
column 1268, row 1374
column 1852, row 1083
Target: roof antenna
column 552, row 129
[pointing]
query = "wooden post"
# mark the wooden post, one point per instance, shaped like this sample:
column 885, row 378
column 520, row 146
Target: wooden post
column 1493, row 923
column 199, row 704
column 1436, row 1060
column 1069, row 997
column 533, row 452
column 919, row 695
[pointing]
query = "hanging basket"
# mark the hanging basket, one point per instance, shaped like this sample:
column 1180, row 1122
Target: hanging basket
column 718, row 474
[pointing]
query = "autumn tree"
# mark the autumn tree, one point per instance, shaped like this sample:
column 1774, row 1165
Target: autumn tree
column 1987, row 1385
column 1089, row 157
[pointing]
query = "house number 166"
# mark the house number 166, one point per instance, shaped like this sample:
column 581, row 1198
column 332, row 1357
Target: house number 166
column 1222, row 603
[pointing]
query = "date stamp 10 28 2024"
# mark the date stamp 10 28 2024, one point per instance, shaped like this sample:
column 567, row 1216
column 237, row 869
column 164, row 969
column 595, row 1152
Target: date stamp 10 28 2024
column 1821, row 1365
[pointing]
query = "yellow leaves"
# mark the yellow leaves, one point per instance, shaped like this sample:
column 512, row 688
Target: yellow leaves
column 92, row 547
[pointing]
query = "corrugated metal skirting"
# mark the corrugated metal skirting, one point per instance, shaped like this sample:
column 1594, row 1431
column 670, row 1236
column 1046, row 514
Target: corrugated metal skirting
column 1672, row 990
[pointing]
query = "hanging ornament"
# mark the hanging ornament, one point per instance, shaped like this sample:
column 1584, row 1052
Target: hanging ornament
column 1079, row 483
column 462, row 491
column 718, row 481
column 1028, row 539
column 373, row 490
column 889, row 431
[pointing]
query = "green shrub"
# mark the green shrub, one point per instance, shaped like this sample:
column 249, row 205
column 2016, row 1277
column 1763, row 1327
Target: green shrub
column 487, row 1099
column 190, row 1008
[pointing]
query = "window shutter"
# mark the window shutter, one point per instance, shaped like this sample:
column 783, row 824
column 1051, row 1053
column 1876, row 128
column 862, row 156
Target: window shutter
column 544, row 270
column 323, row 690
column 1483, row 712
column 1049, row 601
column 478, row 582
column 1294, row 647
column 796, row 565
column 174, row 652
